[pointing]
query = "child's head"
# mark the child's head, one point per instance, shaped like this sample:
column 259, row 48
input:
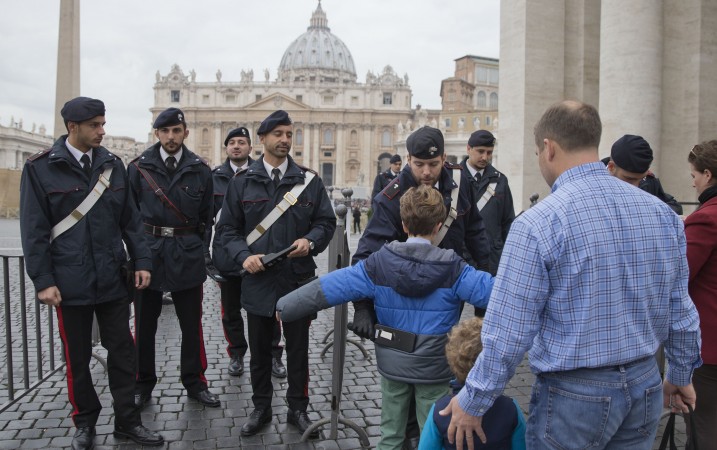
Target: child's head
column 422, row 209
column 463, row 347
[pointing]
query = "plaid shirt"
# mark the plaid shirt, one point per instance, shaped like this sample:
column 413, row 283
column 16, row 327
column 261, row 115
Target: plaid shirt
column 594, row 275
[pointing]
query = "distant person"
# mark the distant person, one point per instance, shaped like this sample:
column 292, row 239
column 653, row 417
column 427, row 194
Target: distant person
column 630, row 159
column 357, row 219
column 74, row 256
column 701, row 232
column 237, row 146
column 490, row 187
column 173, row 190
column 385, row 177
column 504, row 421
column 592, row 281
column 417, row 289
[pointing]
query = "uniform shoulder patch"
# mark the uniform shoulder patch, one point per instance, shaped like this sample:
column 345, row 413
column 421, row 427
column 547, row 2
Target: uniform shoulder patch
column 241, row 171
column 307, row 169
column 392, row 189
column 453, row 166
column 39, row 154
column 206, row 163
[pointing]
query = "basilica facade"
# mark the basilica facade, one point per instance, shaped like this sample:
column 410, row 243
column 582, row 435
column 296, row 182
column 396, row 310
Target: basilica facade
column 345, row 129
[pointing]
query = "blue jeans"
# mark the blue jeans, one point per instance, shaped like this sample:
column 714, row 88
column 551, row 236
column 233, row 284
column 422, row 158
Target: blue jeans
column 614, row 407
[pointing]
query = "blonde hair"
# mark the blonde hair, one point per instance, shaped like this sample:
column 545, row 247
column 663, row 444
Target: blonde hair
column 463, row 347
column 422, row 209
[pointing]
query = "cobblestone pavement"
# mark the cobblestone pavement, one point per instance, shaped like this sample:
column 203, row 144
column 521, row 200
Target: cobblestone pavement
column 41, row 418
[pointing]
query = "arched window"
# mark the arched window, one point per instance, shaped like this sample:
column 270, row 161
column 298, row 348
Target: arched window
column 205, row 136
column 481, row 99
column 493, row 100
column 386, row 138
column 299, row 137
column 354, row 138
column 328, row 136
column 487, row 120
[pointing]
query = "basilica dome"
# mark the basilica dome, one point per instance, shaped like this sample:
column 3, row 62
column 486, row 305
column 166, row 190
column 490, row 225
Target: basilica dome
column 317, row 53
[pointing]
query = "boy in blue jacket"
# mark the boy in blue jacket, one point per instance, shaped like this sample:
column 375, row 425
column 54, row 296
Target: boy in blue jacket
column 504, row 423
column 417, row 289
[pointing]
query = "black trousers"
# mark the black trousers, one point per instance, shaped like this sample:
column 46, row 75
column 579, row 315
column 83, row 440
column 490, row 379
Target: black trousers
column 357, row 225
column 261, row 330
column 75, row 327
column 193, row 364
column 233, row 322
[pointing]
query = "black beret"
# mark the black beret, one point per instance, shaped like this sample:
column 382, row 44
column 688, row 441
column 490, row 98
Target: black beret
column 80, row 109
column 395, row 159
column 632, row 153
column 241, row 131
column 481, row 138
column 275, row 119
column 169, row 117
column 425, row 143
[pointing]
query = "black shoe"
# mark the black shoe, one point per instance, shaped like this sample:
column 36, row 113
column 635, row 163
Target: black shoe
column 277, row 368
column 205, row 397
column 301, row 420
column 257, row 419
column 140, row 434
column 84, row 438
column 141, row 400
column 236, row 366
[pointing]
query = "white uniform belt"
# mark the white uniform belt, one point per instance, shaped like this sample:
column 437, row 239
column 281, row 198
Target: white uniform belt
column 453, row 213
column 487, row 195
column 290, row 198
column 75, row 216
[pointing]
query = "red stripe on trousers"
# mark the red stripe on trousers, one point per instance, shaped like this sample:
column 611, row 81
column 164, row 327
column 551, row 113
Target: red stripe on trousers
column 70, row 384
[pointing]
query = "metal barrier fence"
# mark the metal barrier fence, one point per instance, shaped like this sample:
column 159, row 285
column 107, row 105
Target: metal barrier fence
column 31, row 354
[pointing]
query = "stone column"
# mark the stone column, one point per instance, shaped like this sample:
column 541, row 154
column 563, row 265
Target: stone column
column 68, row 60
column 631, row 48
column 367, row 166
column 532, row 54
column 218, row 144
column 308, row 134
column 316, row 148
column 340, row 159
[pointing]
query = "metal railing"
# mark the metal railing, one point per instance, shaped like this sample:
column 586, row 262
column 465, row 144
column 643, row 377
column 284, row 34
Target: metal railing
column 20, row 343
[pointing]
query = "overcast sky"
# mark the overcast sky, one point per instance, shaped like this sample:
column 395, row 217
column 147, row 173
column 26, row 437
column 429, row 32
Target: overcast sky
column 123, row 44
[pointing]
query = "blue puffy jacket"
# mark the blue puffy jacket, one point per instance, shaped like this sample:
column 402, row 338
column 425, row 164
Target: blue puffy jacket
column 416, row 287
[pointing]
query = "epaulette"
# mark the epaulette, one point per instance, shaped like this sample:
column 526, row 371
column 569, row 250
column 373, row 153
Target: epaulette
column 206, row 163
column 392, row 189
column 448, row 165
column 39, row 154
column 306, row 169
column 241, row 171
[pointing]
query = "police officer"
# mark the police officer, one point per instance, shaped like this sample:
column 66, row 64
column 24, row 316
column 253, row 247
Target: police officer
column 238, row 147
column 308, row 223
column 173, row 188
column 426, row 165
column 630, row 159
column 490, row 187
column 384, row 178
column 74, row 257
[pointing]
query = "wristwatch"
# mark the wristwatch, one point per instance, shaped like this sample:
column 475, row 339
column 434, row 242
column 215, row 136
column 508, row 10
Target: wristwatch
column 311, row 245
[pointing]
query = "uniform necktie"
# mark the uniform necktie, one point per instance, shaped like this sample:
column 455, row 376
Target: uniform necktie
column 86, row 165
column 275, row 174
column 478, row 176
column 171, row 163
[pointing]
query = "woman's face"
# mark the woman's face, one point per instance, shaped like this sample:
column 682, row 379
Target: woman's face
column 700, row 180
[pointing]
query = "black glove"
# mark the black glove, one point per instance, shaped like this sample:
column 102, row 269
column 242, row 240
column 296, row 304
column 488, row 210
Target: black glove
column 212, row 271
column 364, row 320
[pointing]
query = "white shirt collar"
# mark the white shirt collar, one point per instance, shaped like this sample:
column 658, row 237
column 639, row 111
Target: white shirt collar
column 282, row 167
column 165, row 155
column 78, row 153
column 236, row 168
column 473, row 171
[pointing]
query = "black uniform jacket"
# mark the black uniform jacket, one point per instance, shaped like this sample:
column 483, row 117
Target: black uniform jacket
column 497, row 214
column 178, row 261
column 249, row 198
column 653, row 185
column 467, row 230
column 84, row 262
